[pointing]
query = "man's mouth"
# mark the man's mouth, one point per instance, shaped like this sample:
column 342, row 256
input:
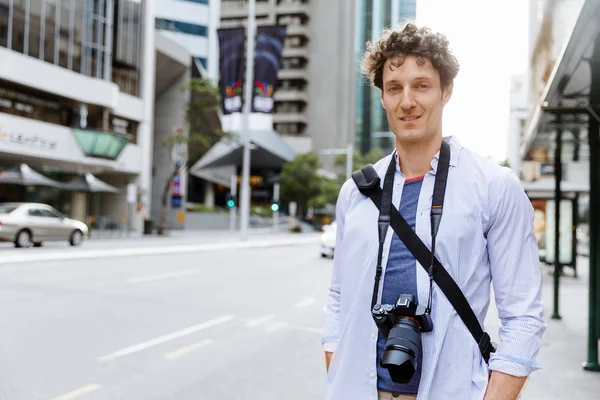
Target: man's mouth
column 409, row 118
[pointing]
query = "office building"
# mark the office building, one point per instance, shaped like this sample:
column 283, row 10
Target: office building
column 313, row 100
column 76, row 96
column 193, row 25
column 372, row 16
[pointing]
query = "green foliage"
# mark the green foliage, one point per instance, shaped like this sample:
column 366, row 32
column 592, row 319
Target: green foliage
column 358, row 161
column 203, row 118
column 299, row 180
column 328, row 193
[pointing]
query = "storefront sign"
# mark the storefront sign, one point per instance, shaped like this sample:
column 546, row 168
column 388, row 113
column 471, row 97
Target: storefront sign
column 24, row 139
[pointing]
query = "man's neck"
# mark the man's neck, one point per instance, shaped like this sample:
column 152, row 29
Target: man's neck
column 415, row 158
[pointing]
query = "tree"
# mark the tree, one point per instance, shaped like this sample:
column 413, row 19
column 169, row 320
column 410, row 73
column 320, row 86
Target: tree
column 299, row 180
column 358, row 161
column 204, row 131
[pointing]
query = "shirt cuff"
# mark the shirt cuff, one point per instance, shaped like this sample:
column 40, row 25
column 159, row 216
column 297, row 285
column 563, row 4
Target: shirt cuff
column 512, row 366
column 330, row 343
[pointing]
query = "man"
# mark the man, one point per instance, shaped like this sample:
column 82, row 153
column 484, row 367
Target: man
column 486, row 235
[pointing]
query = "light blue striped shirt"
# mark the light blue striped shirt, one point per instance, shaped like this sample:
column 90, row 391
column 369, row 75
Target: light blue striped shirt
column 486, row 236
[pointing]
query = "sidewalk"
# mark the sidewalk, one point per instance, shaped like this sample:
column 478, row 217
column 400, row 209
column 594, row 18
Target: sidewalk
column 564, row 346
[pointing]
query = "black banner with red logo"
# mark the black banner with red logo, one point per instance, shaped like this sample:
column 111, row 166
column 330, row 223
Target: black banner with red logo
column 232, row 44
column 269, row 47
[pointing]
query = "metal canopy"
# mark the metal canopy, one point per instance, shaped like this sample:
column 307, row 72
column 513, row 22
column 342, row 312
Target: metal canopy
column 23, row 175
column 268, row 151
column 89, row 183
column 568, row 88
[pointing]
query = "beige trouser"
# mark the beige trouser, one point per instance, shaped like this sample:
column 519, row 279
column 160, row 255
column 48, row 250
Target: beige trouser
column 389, row 396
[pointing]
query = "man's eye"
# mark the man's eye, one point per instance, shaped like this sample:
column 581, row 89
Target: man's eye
column 393, row 89
column 423, row 86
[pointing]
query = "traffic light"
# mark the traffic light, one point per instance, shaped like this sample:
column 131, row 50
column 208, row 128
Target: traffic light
column 274, row 206
column 230, row 200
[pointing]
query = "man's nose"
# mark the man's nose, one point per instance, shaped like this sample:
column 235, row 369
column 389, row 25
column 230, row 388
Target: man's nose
column 407, row 101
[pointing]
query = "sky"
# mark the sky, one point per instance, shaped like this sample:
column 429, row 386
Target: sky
column 490, row 41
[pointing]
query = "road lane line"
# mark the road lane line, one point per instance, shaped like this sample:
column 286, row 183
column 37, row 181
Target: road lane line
column 185, row 350
column 79, row 392
column 77, row 254
column 274, row 326
column 260, row 321
column 160, row 277
column 163, row 339
column 305, row 328
column 305, row 302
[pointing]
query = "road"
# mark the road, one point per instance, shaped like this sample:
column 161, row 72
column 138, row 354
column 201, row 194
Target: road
column 205, row 317
column 229, row 323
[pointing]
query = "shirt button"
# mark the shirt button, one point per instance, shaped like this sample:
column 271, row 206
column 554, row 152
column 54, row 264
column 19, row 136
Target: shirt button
column 374, row 335
column 372, row 374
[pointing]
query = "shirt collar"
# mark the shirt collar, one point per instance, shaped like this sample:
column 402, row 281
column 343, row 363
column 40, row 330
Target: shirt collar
column 455, row 148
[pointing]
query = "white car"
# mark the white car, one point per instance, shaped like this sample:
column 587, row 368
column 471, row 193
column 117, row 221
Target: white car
column 328, row 240
column 30, row 224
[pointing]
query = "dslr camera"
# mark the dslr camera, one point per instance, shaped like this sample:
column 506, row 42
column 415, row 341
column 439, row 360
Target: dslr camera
column 402, row 324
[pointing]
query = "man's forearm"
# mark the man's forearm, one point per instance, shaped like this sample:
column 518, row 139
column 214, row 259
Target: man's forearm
column 504, row 387
column 328, row 356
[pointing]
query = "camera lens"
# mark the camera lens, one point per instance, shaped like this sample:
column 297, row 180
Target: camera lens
column 402, row 350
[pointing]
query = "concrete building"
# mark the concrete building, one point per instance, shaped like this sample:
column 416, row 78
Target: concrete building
column 76, row 96
column 372, row 16
column 551, row 25
column 519, row 113
column 313, row 100
column 193, row 25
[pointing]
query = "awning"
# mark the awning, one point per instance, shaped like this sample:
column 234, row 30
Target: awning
column 567, row 91
column 268, row 150
column 23, row 175
column 545, row 187
column 89, row 183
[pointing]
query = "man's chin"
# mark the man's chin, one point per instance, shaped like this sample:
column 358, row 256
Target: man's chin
column 411, row 136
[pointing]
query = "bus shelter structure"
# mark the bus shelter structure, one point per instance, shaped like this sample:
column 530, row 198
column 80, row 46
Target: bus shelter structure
column 567, row 121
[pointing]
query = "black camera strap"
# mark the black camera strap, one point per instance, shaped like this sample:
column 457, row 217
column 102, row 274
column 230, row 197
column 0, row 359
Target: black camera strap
column 368, row 182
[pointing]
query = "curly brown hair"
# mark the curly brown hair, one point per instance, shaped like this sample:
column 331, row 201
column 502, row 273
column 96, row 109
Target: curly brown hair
column 411, row 40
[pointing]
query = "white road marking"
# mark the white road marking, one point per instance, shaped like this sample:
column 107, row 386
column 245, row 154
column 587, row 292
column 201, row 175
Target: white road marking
column 159, row 277
column 305, row 328
column 75, row 254
column 188, row 349
column 274, row 326
column 162, row 339
column 260, row 321
column 79, row 392
column 305, row 302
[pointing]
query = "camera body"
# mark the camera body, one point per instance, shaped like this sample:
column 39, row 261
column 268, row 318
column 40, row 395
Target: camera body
column 402, row 324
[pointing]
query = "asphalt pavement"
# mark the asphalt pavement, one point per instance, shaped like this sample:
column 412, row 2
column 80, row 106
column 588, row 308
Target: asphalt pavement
column 230, row 323
column 204, row 317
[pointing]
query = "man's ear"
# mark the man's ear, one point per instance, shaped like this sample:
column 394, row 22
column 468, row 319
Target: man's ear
column 382, row 103
column 447, row 93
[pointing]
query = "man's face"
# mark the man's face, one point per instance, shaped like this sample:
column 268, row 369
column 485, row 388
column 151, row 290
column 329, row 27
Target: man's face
column 413, row 98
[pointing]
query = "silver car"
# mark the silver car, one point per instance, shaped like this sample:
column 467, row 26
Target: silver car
column 30, row 224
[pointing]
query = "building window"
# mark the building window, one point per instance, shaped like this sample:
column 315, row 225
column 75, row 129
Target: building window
column 127, row 45
column 182, row 27
column 67, row 33
column 198, row 1
column 201, row 60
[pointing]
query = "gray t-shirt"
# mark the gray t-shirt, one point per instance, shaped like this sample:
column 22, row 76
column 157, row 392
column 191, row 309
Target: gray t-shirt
column 400, row 278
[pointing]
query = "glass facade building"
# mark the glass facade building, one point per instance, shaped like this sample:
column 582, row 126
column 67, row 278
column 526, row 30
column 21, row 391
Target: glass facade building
column 372, row 16
column 97, row 38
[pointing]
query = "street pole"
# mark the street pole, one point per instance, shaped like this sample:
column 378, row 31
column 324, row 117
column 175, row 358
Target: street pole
column 245, row 187
column 276, row 213
column 232, row 210
column 594, row 216
column 557, row 201
column 349, row 159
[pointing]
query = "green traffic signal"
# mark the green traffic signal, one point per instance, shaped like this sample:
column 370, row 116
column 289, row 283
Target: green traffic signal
column 274, row 207
column 230, row 203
